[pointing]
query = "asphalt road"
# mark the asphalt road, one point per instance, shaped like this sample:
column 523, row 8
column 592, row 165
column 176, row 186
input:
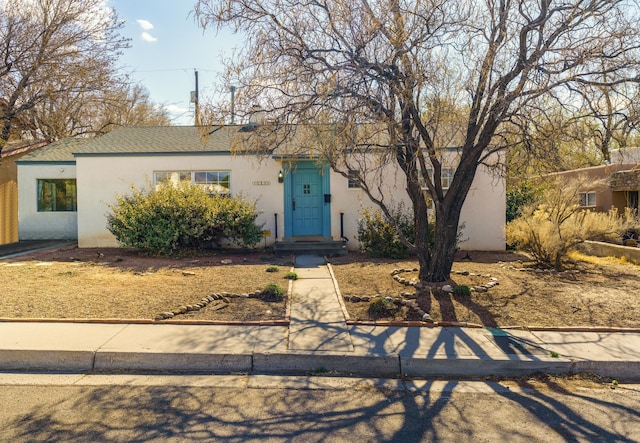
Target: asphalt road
column 300, row 409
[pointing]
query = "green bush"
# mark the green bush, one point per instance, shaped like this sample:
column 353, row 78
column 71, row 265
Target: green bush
column 379, row 238
column 381, row 306
column 462, row 290
column 273, row 268
column 521, row 196
column 272, row 293
column 291, row 275
column 168, row 218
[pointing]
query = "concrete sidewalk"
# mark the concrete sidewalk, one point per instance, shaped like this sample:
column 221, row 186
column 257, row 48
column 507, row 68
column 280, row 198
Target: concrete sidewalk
column 317, row 340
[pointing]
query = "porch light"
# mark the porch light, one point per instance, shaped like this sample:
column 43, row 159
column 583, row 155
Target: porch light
column 280, row 177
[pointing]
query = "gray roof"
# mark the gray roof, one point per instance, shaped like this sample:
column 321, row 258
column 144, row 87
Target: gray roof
column 58, row 151
column 161, row 140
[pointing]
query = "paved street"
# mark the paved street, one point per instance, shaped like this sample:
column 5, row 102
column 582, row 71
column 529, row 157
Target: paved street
column 239, row 408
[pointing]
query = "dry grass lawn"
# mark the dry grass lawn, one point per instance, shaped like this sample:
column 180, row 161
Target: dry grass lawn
column 122, row 284
column 76, row 283
column 605, row 293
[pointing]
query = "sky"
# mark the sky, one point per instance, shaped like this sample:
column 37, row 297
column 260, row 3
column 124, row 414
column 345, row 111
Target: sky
column 167, row 46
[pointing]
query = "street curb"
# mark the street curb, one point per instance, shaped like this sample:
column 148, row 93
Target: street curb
column 480, row 367
column 392, row 365
column 108, row 361
column 299, row 362
column 613, row 369
column 46, row 360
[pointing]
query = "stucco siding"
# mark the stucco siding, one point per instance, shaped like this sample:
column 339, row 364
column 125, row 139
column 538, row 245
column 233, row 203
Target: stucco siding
column 101, row 178
column 34, row 225
column 483, row 213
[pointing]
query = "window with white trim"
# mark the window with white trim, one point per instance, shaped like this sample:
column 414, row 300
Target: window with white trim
column 446, row 177
column 215, row 182
column 353, row 182
column 587, row 199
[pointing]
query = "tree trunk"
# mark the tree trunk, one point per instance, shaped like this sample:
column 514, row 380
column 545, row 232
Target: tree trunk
column 437, row 266
column 442, row 252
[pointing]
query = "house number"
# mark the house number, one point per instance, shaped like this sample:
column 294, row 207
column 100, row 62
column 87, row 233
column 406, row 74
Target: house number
column 261, row 183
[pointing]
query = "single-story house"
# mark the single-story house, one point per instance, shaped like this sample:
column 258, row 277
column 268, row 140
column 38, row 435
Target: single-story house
column 11, row 153
column 622, row 177
column 65, row 188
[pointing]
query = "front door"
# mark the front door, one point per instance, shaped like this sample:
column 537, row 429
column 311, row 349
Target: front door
column 306, row 210
column 306, row 206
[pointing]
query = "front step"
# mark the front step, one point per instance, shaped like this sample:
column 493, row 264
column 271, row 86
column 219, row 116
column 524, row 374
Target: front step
column 320, row 247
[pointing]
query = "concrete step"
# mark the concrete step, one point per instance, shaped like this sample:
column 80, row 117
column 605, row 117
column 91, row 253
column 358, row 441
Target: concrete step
column 320, row 247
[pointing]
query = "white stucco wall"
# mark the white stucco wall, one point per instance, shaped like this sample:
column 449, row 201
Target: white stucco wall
column 482, row 216
column 101, row 178
column 34, row 225
column 483, row 213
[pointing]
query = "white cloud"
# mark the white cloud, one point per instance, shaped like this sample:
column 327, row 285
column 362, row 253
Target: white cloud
column 145, row 24
column 175, row 109
column 148, row 37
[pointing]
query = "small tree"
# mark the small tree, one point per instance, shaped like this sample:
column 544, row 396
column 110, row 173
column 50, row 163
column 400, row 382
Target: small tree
column 555, row 223
column 170, row 217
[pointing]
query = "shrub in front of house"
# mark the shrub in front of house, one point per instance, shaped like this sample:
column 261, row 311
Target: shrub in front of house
column 379, row 237
column 168, row 218
column 555, row 224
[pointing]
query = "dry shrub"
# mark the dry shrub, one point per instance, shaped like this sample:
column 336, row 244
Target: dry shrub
column 549, row 229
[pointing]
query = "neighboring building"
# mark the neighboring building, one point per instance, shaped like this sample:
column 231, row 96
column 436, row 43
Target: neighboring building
column 622, row 176
column 11, row 153
column 47, row 192
column 65, row 189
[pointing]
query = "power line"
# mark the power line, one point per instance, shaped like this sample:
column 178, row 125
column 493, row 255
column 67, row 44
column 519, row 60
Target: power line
column 173, row 70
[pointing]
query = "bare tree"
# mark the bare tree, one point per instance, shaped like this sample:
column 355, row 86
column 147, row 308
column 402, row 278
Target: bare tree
column 384, row 74
column 94, row 113
column 51, row 49
column 610, row 113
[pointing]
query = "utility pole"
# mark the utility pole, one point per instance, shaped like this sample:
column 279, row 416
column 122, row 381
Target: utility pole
column 233, row 103
column 194, row 100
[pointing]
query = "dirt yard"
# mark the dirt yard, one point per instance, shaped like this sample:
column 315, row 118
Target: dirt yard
column 597, row 292
column 73, row 283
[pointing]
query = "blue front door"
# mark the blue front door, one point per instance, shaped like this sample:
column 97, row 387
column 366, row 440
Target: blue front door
column 307, row 213
column 306, row 206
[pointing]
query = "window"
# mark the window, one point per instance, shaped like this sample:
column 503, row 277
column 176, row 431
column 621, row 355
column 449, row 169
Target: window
column 587, row 199
column 174, row 177
column 215, row 182
column 353, row 182
column 57, row 195
column 446, row 176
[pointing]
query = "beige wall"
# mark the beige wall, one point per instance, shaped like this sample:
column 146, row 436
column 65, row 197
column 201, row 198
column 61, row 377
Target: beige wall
column 101, row 178
column 34, row 225
column 605, row 198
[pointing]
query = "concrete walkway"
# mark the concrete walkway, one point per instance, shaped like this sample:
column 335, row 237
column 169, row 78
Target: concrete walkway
column 317, row 340
column 317, row 320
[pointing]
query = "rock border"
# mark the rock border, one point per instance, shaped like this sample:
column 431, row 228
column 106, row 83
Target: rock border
column 405, row 298
column 395, row 274
column 222, row 298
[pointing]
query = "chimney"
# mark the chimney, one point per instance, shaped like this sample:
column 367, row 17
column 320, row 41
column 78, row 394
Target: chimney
column 257, row 115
